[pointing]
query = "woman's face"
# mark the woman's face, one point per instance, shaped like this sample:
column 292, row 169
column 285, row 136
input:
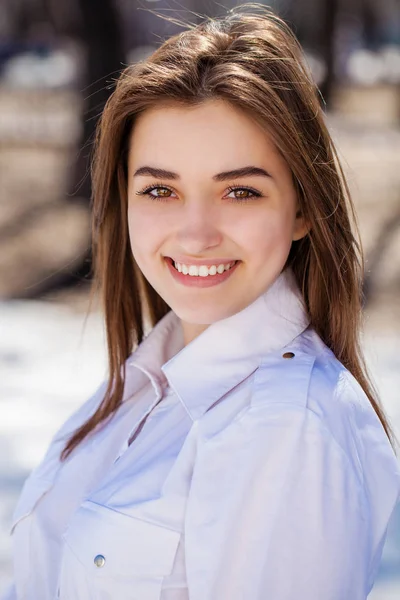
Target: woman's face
column 207, row 187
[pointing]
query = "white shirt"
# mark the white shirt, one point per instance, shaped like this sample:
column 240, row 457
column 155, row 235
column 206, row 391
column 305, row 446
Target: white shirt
column 261, row 472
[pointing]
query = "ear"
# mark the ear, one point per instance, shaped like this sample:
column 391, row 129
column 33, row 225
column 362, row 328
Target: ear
column 301, row 226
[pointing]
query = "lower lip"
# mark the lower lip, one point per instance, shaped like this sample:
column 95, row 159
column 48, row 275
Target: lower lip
column 198, row 281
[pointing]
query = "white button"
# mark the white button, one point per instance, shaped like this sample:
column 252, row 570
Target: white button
column 99, row 560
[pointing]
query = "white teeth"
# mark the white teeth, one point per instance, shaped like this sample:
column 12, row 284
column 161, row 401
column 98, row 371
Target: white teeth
column 203, row 270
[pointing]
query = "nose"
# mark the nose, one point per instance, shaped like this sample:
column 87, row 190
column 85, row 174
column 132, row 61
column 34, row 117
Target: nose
column 198, row 228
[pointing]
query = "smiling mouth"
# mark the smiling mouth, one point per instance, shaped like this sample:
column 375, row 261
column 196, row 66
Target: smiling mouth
column 172, row 263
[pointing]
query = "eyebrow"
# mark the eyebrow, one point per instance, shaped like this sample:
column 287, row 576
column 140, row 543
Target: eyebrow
column 249, row 171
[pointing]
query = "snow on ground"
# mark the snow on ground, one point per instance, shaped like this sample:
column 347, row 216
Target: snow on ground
column 50, row 363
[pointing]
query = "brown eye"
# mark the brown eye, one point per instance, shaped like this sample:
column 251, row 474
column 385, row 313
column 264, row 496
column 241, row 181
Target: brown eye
column 239, row 194
column 157, row 192
column 163, row 192
column 242, row 193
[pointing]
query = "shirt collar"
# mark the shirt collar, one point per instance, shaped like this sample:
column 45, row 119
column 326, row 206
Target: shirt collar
column 225, row 353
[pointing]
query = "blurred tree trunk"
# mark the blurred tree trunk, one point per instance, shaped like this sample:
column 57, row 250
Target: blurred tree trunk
column 105, row 54
column 101, row 34
column 328, row 47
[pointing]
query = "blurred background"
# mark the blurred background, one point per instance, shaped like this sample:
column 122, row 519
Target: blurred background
column 58, row 62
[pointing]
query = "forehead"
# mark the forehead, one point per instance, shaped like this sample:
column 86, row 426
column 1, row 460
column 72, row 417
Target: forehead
column 214, row 135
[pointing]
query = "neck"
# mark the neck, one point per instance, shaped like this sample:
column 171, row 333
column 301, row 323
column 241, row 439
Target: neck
column 191, row 331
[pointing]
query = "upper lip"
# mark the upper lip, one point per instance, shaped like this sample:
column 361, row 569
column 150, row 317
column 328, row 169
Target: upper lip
column 208, row 262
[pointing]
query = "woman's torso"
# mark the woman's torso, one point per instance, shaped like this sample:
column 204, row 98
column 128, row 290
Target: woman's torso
column 232, row 422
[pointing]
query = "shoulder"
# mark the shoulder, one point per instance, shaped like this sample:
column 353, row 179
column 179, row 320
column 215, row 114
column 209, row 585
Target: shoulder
column 49, row 465
column 45, row 474
column 307, row 374
column 316, row 383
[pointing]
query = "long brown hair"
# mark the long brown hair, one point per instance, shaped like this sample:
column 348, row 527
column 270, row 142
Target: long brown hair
column 252, row 60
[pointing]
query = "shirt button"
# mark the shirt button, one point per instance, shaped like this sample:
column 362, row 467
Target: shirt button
column 99, row 560
column 288, row 355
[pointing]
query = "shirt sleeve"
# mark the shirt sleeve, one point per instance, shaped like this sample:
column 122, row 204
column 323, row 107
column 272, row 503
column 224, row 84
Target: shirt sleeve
column 276, row 511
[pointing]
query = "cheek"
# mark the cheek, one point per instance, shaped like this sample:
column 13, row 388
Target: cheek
column 144, row 230
column 269, row 234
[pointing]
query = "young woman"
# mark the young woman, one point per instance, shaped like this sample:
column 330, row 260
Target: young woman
column 237, row 450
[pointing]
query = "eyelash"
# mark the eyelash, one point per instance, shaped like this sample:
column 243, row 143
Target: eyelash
column 146, row 192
